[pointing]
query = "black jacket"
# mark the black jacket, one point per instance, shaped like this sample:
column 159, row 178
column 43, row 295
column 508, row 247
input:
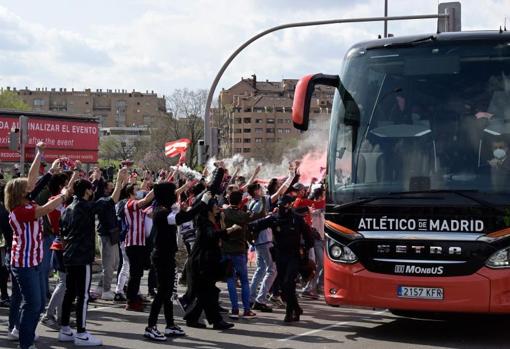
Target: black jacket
column 78, row 230
column 165, row 232
column 290, row 232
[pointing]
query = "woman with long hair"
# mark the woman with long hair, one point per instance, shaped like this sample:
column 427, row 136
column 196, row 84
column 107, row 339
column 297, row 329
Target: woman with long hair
column 27, row 247
column 205, row 269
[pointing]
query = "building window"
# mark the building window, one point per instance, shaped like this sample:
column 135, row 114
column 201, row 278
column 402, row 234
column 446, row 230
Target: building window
column 247, row 140
column 247, row 130
column 238, row 120
column 120, row 113
column 259, row 130
column 286, row 130
column 238, row 130
column 280, row 130
column 247, row 120
column 259, row 110
column 237, row 140
column 238, row 150
column 246, row 150
column 270, row 121
column 269, row 130
column 258, row 140
column 39, row 102
column 259, row 121
column 288, row 121
column 279, row 109
column 279, row 121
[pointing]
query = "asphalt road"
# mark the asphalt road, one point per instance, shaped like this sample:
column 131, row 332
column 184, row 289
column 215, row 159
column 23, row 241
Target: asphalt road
column 321, row 327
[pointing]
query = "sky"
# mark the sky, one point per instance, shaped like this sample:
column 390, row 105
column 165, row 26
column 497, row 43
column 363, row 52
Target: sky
column 163, row 45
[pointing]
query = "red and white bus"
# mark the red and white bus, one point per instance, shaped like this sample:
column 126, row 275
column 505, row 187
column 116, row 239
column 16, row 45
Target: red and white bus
column 418, row 173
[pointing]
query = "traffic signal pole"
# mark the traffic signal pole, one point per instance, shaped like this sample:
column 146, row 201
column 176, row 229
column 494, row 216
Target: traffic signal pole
column 207, row 115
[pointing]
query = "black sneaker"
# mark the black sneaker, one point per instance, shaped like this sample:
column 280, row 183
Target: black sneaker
column 174, row 331
column 234, row 315
column 119, row 297
column 222, row 325
column 5, row 302
column 262, row 307
column 153, row 334
column 196, row 324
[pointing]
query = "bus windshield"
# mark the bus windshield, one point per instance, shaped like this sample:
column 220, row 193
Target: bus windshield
column 429, row 116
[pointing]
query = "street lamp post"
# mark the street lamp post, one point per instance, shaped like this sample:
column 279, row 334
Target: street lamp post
column 207, row 121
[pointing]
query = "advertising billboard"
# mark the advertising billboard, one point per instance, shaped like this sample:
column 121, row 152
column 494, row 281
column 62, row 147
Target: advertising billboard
column 64, row 137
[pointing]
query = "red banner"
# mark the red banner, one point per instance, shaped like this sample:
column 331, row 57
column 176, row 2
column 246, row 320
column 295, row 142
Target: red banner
column 78, row 140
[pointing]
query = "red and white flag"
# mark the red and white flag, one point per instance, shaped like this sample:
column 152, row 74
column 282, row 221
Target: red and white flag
column 178, row 147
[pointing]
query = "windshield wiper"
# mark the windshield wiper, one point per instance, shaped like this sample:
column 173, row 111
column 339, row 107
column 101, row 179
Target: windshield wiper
column 412, row 43
column 462, row 193
column 391, row 196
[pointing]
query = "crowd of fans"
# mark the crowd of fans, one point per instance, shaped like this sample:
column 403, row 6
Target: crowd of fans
column 50, row 222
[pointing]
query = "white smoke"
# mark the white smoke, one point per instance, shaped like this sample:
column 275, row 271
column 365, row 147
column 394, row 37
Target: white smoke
column 311, row 150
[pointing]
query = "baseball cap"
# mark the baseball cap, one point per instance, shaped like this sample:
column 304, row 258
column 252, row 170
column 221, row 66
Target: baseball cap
column 298, row 186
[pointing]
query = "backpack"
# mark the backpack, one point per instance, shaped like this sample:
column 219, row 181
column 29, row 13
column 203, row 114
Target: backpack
column 121, row 219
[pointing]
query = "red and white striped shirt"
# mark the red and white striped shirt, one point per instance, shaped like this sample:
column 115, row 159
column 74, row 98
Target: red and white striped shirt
column 27, row 246
column 135, row 217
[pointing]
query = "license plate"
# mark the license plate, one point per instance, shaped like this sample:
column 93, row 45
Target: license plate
column 420, row 292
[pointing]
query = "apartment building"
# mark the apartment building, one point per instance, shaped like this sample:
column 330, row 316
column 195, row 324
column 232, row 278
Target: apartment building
column 122, row 115
column 255, row 116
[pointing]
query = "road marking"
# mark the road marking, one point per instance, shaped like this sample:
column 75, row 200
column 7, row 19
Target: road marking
column 325, row 328
column 102, row 308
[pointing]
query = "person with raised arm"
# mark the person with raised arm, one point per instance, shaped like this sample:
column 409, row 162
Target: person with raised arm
column 136, row 248
column 27, row 247
column 265, row 272
column 78, row 231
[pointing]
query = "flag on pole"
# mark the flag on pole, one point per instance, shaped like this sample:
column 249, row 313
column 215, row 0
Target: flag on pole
column 178, row 147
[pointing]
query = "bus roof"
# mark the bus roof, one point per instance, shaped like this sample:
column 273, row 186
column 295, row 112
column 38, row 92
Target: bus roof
column 446, row 36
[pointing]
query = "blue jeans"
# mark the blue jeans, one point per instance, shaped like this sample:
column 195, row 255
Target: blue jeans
column 31, row 284
column 264, row 275
column 240, row 265
column 317, row 280
column 15, row 304
column 46, row 263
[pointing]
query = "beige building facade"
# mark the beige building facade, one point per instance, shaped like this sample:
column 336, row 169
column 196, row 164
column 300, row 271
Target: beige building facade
column 112, row 108
column 256, row 116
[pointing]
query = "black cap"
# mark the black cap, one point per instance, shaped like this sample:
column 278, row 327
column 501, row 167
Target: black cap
column 284, row 200
column 298, row 186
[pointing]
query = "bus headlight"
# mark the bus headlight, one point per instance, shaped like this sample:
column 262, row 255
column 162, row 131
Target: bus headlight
column 339, row 252
column 500, row 259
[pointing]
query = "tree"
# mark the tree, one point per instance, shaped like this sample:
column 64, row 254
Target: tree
column 187, row 109
column 112, row 148
column 11, row 100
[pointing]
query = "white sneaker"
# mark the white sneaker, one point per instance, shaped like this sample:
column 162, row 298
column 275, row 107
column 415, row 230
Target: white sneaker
column 85, row 339
column 108, row 296
column 13, row 335
column 153, row 334
column 65, row 335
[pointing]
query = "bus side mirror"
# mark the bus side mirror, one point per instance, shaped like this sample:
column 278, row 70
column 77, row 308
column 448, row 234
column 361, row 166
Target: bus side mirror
column 303, row 96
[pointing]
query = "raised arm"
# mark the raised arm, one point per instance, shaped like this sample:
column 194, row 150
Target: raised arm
column 50, row 205
column 121, row 178
column 285, row 186
column 146, row 200
column 253, row 176
column 34, row 168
